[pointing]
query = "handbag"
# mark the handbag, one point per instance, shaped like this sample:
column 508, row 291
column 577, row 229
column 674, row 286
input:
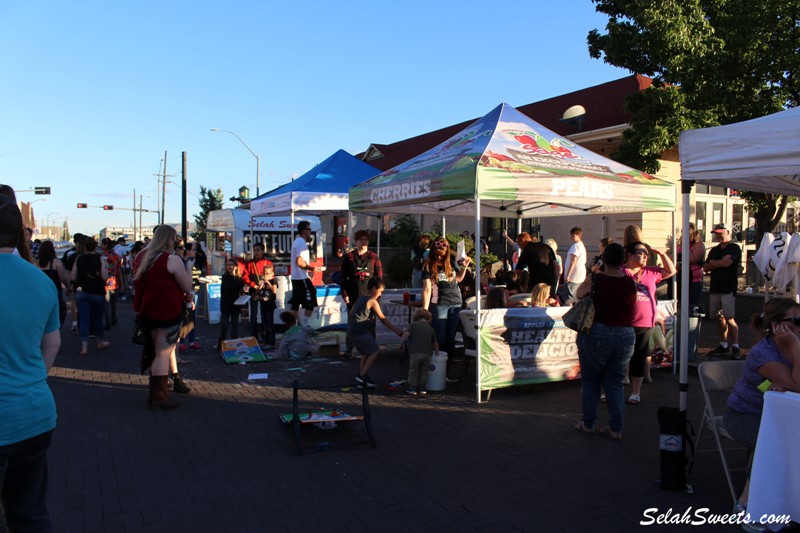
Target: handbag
column 187, row 322
column 138, row 333
column 580, row 317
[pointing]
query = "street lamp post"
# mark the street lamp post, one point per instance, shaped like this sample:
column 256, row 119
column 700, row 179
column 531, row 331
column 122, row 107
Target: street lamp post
column 47, row 222
column 258, row 159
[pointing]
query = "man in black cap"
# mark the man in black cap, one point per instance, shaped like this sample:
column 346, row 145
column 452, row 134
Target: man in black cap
column 722, row 264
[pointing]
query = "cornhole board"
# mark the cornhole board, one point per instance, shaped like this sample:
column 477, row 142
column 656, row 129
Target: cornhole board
column 243, row 350
column 325, row 418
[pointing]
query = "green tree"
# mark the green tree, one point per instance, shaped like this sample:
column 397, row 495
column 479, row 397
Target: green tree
column 713, row 62
column 210, row 200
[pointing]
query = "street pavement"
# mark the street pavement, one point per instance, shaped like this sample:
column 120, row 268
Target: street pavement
column 223, row 461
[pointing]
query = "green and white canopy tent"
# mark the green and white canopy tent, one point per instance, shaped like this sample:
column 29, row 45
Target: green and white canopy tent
column 506, row 164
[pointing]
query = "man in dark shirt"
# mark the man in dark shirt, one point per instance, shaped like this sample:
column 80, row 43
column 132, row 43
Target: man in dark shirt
column 358, row 268
column 540, row 261
column 722, row 264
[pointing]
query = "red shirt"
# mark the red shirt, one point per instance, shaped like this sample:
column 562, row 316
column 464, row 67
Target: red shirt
column 254, row 270
column 157, row 295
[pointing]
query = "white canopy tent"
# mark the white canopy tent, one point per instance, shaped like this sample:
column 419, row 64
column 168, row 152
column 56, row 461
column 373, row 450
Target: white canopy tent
column 320, row 191
column 503, row 164
column 759, row 155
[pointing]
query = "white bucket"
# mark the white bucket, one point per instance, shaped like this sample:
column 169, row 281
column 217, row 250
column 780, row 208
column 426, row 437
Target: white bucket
column 437, row 375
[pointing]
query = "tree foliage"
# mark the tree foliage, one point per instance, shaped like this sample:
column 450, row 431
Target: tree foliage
column 713, row 62
column 210, row 200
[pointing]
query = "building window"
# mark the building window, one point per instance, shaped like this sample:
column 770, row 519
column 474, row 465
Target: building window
column 494, row 228
column 738, row 218
column 700, row 218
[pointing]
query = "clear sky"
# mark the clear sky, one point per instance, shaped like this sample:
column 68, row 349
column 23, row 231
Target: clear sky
column 94, row 92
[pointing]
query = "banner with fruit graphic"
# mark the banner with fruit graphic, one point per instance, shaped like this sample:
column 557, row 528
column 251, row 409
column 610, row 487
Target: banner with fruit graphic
column 506, row 160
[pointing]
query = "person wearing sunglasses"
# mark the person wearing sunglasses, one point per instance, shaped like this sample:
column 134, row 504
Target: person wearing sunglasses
column 646, row 278
column 440, row 291
column 773, row 363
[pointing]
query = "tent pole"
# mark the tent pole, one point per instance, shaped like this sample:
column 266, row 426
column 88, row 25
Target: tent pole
column 478, row 299
column 444, row 226
column 674, row 281
column 380, row 227
column 686, row 189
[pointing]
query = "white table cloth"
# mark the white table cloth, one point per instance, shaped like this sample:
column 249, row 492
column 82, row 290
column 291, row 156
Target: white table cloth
column 775, row 477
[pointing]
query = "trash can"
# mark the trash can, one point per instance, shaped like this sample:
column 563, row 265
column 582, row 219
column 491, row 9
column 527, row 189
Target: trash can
column 695, row 317
column 437, row 375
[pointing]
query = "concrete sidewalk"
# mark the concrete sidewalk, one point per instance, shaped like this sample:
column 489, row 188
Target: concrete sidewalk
column 223, row 462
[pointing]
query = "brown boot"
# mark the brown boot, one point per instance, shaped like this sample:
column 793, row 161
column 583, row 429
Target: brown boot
column 159, row 398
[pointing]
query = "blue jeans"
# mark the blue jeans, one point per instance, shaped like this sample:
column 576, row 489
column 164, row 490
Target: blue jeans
column 90, row 311
column 445, row 323
column 603, row 355
column 23, row 482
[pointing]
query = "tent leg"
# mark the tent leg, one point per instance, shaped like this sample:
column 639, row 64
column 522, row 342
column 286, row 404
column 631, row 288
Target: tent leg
column 478, row 298
column 686, row 189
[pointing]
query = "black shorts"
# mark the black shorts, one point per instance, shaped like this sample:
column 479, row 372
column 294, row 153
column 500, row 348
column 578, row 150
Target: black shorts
column 304, row 294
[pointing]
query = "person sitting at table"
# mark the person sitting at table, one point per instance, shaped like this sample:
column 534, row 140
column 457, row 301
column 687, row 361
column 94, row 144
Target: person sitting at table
column 498, row 298
column 540, row 296
column 773, row 363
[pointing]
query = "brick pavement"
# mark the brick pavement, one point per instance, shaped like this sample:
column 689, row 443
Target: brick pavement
column 222, row 462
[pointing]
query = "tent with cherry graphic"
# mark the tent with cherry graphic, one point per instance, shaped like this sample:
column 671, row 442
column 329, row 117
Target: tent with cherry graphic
column 507, row 165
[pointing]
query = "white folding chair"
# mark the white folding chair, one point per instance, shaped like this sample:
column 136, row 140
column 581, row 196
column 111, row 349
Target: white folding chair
column 718, row 376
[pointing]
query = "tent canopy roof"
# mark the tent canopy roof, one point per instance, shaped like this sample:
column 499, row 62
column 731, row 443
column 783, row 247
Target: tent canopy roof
column 515, row 167
column 760, row 155
column 322, row 189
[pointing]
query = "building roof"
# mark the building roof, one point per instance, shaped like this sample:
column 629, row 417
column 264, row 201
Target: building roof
column 604, row 104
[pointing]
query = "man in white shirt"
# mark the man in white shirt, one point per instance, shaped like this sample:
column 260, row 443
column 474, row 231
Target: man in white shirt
column 303, row 292
column 575, row 266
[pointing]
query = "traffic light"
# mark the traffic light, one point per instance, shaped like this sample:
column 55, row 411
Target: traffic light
column 108, row 208
column 82, row 206
column 41, row 190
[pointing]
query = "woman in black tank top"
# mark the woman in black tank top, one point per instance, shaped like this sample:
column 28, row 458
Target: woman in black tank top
column 89, row 275
column 54, row 269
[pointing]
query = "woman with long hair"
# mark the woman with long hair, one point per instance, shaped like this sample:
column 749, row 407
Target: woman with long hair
column 773, row 363
column 89, row 276
column 31, row 339
column 697, row 256
column 54, row 269
column 162, row 287
column 605, row 351
column 440, row 292
column 646, row 278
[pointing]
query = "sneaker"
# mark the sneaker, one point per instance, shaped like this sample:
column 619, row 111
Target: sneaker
column 423, row 392
column 195, row 347
column 736, row 353
column 412, row 391
column 720, row 351
column 183, row 348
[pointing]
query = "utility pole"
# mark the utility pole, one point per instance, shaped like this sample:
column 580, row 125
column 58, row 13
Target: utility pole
column 184, row 213
column 163, row 188
column 134, row 215
column 141, row 233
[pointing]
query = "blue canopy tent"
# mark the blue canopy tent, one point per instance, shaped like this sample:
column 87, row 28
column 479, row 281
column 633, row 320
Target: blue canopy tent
column 322, row 190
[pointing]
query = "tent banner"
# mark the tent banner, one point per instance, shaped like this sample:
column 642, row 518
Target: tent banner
column 524, row 346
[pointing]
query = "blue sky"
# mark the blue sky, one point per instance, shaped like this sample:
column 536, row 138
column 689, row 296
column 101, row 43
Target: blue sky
column 94, row 92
